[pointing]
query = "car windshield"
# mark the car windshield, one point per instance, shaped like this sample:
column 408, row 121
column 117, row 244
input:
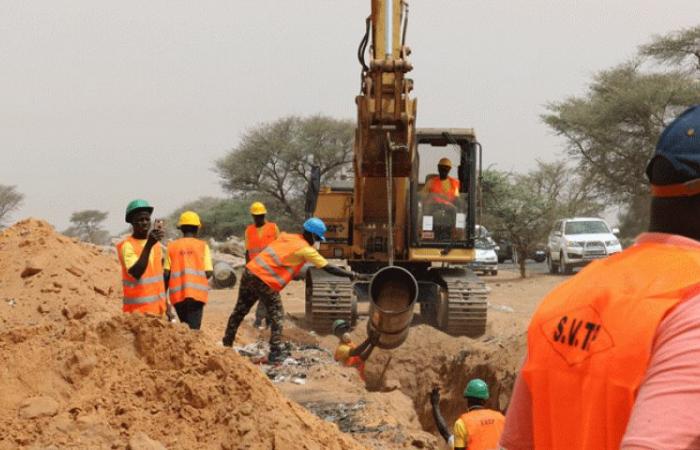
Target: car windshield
column 483, row 244
column 586, row 227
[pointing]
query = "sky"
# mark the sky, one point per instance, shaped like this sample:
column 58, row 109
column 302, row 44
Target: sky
column 102, row 102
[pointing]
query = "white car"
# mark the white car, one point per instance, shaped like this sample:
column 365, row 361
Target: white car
column 577, row 241
column 486, row 260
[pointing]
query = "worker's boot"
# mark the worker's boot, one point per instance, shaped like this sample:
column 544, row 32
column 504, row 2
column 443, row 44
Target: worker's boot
column 277, row 355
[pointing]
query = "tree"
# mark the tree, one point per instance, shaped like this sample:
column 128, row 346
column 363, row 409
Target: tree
column 87, row 226
column 273, row 160
column 522, row 207
column 612, row 130
column 679, row 48
column 10, row 201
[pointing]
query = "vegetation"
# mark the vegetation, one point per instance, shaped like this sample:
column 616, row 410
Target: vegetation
column 87, row 226
column 10, row 201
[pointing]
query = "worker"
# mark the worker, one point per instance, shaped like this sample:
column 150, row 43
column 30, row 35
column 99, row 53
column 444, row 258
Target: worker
column 479, row 428
column 141, row 259
column 443, row 189
column 257, row 236
column 349, row 354
column 190, row 268
column 269, row 272
column 613, row 355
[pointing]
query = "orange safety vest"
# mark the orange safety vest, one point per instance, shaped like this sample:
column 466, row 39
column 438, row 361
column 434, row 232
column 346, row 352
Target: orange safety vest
column 484, row 428
column 188, row 279
column 352, row 361
column 147, row 294
column 436, row 187
column 269, row 265
column 255, row 243
column 590, row 341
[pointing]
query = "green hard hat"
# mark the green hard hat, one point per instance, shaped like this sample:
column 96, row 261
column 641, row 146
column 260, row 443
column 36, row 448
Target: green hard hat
column 340, row 323
column 136, row 205
column 477, row 388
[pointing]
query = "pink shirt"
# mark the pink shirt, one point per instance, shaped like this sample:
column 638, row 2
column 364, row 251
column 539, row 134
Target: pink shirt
column 666, row 412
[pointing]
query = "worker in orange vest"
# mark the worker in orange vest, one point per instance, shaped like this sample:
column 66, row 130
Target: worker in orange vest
column 269, row 272
column 190, row 268
column 258, row 235
column 479, row 428
column 443, row 189
column 349, row 354
column 613, row 357
column 141, row 260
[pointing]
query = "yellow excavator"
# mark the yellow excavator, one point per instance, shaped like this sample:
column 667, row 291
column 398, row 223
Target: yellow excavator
column 384, row 216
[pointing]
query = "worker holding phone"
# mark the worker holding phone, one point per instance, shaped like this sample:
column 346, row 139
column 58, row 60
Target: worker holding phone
column 142, row 262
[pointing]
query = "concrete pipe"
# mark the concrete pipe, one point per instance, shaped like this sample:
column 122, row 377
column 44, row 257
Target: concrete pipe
column 393, row 292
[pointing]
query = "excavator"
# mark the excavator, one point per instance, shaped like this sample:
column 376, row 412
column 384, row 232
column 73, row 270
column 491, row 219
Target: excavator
column 385, row 216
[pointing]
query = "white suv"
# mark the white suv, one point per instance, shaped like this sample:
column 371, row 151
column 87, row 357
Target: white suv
column 576, row 242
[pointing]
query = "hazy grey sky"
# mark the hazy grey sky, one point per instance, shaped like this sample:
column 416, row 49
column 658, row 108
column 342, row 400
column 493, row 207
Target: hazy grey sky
column 101, row 102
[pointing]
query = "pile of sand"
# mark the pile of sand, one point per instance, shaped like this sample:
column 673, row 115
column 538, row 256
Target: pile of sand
column 79, row 374
column 46, row 277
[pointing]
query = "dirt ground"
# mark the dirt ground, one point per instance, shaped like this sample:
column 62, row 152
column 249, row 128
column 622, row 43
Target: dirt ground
column 77, row 373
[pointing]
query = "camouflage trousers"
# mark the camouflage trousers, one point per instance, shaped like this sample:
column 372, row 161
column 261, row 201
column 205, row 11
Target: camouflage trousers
column 250, row 291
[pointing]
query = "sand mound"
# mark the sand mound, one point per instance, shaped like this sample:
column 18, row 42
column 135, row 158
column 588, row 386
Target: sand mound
column 431, row 358
column 77, row 373
column 47, row 277
column 101, row 385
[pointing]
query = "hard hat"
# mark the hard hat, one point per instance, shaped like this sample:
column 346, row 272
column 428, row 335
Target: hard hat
column 189, row 218
column 445, row 162
column 257, row 209
column 340, row 323
column 477, row 388
column 316, row 226
column 136, row 205
column 679, row 145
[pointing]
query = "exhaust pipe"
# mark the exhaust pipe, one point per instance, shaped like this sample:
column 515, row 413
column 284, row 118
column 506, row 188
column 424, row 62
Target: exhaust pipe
column 393, row 292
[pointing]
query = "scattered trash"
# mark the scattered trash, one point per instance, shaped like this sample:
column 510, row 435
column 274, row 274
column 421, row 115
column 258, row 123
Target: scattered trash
column 11, row 301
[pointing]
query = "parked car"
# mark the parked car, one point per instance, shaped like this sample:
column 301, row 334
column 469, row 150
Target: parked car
column 577, row 241
column 486, row 261
column 506, row 252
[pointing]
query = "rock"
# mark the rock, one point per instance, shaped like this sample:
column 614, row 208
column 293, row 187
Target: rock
column 31, row 268
column 141, row 441
column 38, row 407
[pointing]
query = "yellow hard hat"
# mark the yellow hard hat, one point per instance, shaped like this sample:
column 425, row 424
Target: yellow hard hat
column 189, row 218
column 257, row 209
column 445, row 162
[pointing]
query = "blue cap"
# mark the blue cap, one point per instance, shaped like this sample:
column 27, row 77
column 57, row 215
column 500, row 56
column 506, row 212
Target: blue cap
column 679, row 144
column 316, row 226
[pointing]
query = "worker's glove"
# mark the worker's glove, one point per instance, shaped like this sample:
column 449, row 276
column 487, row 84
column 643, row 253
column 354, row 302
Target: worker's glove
column 435, row 396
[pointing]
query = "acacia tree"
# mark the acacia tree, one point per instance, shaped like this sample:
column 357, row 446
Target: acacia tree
column 10, row 201
column 273, row 161
column 611, row 131
column 87, row 226
column 221, row 218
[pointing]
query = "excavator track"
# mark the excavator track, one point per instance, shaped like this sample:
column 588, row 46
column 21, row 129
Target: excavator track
column 463, row 305
column 328, row 298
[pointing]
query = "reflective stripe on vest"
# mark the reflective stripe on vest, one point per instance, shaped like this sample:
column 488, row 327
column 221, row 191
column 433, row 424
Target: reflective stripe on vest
column 590, row 342
column 147, row 294
column 188, row 279
column 269, row 265
column 255, row 243
column 484, row 428
column 438, row 189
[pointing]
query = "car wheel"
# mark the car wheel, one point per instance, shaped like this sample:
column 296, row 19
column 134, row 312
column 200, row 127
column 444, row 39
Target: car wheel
column 564, row 268
column 551, row 265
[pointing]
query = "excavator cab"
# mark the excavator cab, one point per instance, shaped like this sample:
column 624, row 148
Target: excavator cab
column 444, row 211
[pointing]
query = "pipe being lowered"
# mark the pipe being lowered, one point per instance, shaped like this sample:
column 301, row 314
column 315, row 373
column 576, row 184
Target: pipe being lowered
column 393, row 292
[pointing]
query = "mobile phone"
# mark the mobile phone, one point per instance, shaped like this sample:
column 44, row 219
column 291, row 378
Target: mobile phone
column 159, row 224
